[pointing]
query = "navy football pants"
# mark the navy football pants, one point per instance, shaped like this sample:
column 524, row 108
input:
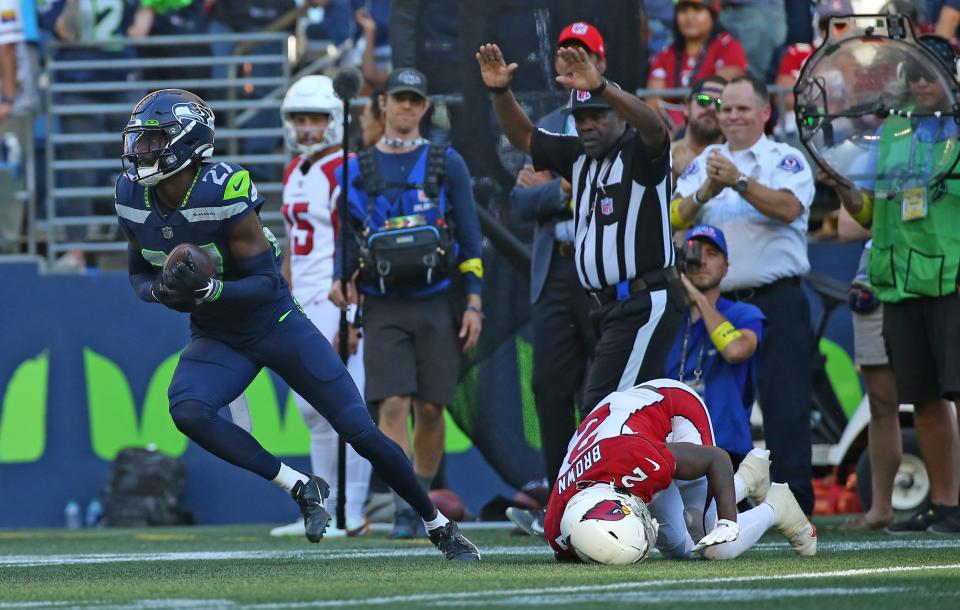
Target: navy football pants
column 210, row 374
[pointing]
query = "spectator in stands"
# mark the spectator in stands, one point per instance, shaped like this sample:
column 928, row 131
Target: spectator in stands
column 414, row 329
column 758, row 192
column 563, row 336
column 714, row 352
column 373, row 19
column 11, row 35
column 703, row 127
column 659, row 24
column 173, row 18
column 371, row 120
column 700, row 48
column 760, row 26
column 870, row 354
column 69, row 20
column 239, row 16
column 374, row 66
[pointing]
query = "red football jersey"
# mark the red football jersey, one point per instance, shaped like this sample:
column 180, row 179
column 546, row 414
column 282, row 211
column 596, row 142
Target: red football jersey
column 623, row 441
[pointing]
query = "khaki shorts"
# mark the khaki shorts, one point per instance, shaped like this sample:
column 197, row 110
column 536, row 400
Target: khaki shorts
column 868, row 346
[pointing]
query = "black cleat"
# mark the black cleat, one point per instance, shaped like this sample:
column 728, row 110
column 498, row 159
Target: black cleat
column 453, row 544
column 310, row 497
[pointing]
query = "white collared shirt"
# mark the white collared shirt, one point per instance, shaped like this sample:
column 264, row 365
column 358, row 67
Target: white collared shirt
column 762, row 249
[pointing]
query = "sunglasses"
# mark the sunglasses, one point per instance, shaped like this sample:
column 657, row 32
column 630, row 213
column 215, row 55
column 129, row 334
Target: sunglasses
column 915, row 75
column 705, row 100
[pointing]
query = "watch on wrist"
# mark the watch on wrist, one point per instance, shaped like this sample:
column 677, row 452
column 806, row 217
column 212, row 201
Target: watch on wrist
column 740, row 185
column 696, row 198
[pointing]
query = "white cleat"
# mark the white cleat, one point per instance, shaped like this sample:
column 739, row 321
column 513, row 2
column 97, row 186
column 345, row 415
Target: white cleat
column 754, row 471
column 291, row 529
column 790, row 520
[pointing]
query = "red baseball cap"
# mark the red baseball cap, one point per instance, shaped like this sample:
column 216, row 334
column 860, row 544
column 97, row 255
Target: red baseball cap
column 585, row 34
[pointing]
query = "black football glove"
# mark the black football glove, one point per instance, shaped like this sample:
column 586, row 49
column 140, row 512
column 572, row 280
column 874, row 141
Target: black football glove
column 165, row 297
column 185, row 281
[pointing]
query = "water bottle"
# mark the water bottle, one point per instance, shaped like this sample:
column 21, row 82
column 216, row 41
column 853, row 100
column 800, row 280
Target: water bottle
column 94, row 514
column 72, row 515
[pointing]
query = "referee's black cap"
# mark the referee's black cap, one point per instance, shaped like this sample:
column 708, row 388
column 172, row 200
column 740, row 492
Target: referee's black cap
column 584, row 99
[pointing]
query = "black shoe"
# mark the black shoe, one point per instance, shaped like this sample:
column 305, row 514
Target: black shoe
column 453, row 544
column 310, row 497
column 530, row 521
column 407, row 525
column 950, row 525
column 921, row 520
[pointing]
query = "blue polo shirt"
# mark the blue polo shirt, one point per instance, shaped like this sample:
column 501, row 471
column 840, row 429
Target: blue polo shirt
column 728, row 388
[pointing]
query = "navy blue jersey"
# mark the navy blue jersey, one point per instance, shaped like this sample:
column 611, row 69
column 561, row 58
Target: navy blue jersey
column 222, row 194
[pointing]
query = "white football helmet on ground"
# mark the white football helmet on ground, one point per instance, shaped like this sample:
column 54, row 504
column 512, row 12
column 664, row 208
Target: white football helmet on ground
column 313, row 94
column 603, row 525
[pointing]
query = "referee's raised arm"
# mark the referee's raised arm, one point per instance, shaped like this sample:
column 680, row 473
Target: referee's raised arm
column 496, row 76
column 583, row 75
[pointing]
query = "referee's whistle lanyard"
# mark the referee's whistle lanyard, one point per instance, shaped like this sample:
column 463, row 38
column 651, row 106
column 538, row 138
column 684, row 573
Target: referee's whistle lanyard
column 697, row 383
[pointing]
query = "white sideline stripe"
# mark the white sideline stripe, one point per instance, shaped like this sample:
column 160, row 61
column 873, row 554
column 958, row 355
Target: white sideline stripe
column 616, row 592
column 22, row 561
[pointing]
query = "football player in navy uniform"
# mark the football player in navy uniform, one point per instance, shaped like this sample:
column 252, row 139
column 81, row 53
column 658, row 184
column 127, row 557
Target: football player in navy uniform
column 244, row 318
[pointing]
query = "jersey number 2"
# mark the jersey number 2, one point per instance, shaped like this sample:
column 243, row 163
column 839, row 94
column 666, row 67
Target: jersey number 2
column 301, row 231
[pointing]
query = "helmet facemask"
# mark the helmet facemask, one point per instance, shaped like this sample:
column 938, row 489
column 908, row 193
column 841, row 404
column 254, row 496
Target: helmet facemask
column 319, row 138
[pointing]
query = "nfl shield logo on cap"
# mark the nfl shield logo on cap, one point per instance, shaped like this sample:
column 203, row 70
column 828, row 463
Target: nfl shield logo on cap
column 583, row 96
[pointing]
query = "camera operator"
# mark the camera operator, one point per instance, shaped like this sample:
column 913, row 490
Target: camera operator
column 714, row 352
column 411, row 204
column 912, row 269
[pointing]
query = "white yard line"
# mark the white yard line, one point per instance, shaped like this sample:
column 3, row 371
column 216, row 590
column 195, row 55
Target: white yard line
column 314, row 554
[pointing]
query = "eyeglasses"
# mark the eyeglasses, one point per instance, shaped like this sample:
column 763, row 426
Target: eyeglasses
column 915, row 75
column 705, row 101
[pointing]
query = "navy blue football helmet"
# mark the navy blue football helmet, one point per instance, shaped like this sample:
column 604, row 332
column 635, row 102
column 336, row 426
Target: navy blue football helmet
column 168, row 129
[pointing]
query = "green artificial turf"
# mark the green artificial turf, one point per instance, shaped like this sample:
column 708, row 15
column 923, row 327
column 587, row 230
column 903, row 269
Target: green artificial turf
column 243, row 568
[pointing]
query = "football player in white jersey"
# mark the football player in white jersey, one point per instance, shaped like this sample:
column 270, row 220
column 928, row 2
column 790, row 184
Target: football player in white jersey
column 312, row 121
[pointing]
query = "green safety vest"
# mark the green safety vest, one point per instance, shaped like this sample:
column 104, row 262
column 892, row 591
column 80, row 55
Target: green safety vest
column 915, row 258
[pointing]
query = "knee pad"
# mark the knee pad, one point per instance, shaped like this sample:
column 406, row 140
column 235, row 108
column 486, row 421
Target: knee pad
column 191, row 416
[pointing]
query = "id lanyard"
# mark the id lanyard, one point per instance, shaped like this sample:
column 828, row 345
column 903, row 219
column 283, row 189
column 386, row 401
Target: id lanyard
column 697, row 383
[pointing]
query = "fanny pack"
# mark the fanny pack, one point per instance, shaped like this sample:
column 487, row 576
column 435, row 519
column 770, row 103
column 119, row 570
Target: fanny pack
column 407, row 253
column 406, row 258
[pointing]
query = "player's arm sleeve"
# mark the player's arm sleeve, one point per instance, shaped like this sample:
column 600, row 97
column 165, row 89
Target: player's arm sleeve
column 142, row 273
column 466, row 226
column 255, row 260
column 554, row 152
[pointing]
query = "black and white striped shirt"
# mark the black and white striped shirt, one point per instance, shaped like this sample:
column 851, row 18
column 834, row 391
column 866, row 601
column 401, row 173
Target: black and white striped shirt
column 622, row 206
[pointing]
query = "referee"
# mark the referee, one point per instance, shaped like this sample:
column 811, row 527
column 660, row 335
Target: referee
column 618, row 165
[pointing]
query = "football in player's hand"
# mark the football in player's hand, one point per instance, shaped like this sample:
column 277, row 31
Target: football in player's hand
column 203, row 262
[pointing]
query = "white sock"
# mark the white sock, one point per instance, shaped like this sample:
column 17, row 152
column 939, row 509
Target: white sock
column 753, row 524
column 740, row 489
column 439, row 521
column 288, row 477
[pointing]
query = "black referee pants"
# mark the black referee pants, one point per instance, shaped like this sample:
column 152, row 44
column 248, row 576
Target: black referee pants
column 563, row 341
column 634, row 337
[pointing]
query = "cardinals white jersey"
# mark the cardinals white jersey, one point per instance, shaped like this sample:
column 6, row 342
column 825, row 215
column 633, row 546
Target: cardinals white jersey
column 310, row 214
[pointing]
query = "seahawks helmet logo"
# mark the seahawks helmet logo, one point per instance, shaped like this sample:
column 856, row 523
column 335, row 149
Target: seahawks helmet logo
column 194, row 112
